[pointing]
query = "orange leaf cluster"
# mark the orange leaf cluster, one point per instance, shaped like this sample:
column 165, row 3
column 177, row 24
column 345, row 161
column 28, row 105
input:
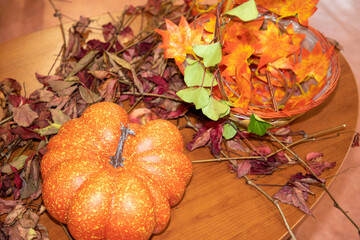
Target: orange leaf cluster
column 265, row 66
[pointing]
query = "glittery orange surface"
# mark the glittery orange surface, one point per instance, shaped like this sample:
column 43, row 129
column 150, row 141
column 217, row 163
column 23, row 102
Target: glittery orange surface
column 97, row 201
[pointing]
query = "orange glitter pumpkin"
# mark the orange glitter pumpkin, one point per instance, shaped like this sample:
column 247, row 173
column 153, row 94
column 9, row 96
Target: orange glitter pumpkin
column 109, row 181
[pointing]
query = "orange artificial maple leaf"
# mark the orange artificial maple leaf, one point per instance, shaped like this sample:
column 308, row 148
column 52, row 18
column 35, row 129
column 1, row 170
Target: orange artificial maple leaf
column 297, row 38
column 303, row 9
column 207, row 21
column 242, row 30
column 237, row 58
column 313, row 64
column 178, row 41
column 274, row 45
column 242, row 78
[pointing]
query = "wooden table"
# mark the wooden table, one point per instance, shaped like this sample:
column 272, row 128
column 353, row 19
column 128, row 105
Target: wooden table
column 216, row 204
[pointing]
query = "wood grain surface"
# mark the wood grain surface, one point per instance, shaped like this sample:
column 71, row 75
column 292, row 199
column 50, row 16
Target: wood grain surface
column 216, row 204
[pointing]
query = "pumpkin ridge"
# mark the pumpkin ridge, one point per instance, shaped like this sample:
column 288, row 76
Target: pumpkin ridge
column 132, row 203
column 161, row 203
column 172, row 184
column 90, row 205
column 57, row 155
column 62, row 182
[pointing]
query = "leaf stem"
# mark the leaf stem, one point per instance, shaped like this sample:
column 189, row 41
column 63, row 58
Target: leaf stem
column 118, row 160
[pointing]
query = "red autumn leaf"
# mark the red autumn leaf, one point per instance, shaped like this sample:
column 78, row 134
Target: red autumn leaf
column 24, row 115
column 179, row 40
column 313, row 64
column 314, row 160
column 243, row 168
column 211, row 133
column 201, row 138
column 296, row 191
column 303, row 9
column 237, row 145
column 274, row 44
column 356, row 140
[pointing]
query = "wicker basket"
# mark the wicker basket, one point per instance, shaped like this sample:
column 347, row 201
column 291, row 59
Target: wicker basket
column 278, row 118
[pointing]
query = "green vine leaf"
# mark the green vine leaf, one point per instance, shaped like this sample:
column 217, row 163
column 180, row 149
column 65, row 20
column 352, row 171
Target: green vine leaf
column 210, row 53
column 198, row 95
column 216, row 109
column 194, row 75
column 229, row 131
column 257, row 125
column 246, row 11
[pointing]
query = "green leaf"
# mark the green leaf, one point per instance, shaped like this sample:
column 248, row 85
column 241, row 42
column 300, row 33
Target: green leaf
column 215, row 109
column 210, row 53
column 194, row 75
column 246, row 11
column 229, row 131
column 198, row 95
column 257, row 125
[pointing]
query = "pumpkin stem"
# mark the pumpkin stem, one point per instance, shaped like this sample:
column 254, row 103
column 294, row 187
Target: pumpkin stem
column 118, row 160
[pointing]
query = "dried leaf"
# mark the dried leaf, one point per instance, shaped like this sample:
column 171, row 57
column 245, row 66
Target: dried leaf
column 18, row 162
column 88, row 95
column 201, row 138
column 62, row 88
column 42, row 95
column 15, row 214
column 123, row 63
column 243, row 168
column 24, row 116
column 29, row 219
column 7, row 206
column 85, row 61
column 314, row 160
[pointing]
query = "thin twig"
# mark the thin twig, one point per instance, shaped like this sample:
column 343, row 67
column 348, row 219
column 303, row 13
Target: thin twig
column 6, row 119
column 153, row 95
column 275, row 202
column 66, row 231
column 59, row 16
column 336, row 204
column 228, row 158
